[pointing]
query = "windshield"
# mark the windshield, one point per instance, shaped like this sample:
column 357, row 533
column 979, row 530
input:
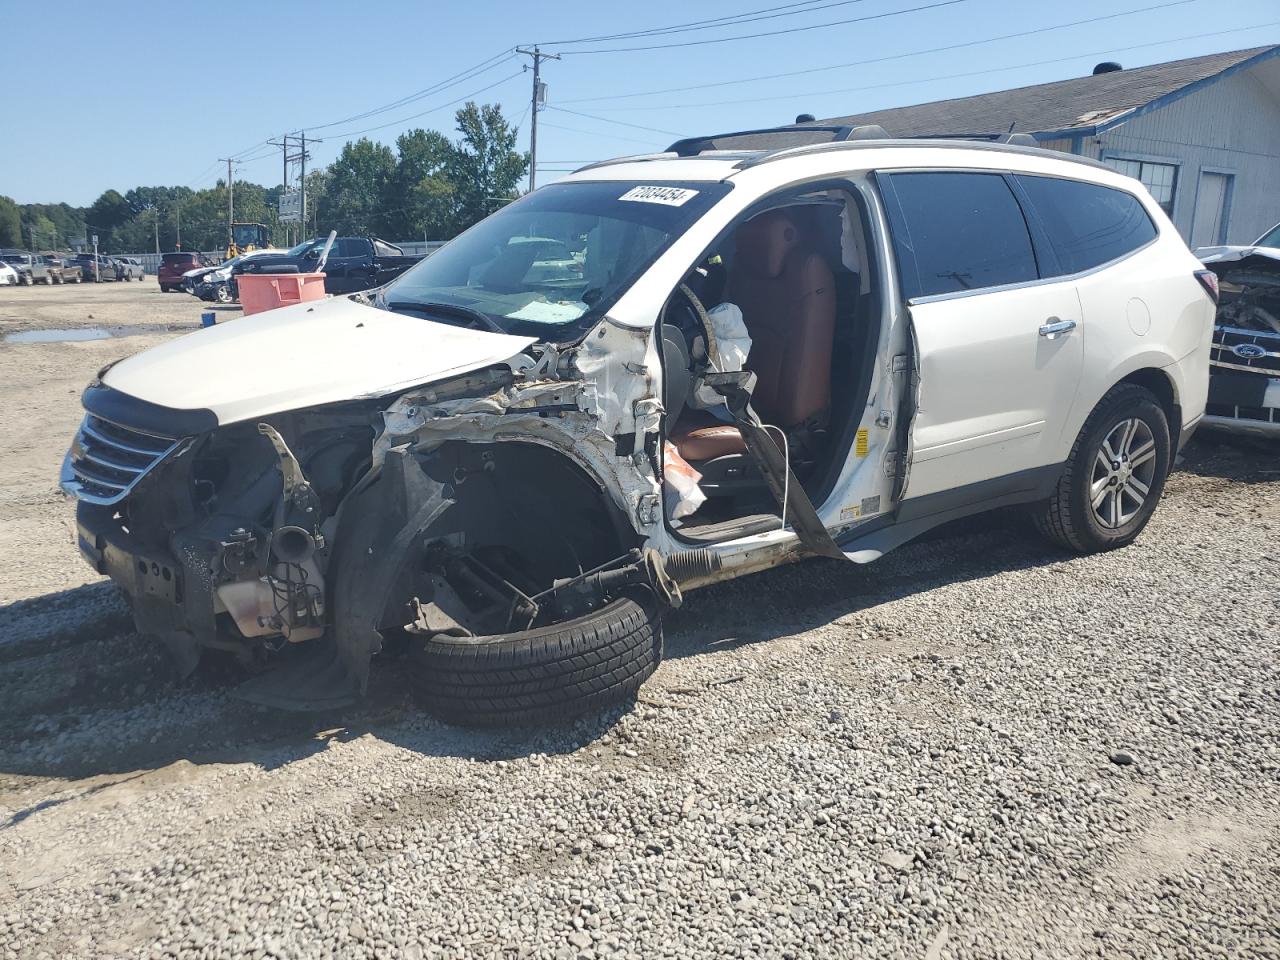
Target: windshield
column 302, row 248
column 13, row 258
column 1271, row 239
column 550, row 264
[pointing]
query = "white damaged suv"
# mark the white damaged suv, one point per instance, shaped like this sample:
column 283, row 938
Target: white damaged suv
column 659, row 372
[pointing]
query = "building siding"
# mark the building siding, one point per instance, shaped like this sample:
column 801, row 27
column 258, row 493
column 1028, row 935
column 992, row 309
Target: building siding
column 1232, row 126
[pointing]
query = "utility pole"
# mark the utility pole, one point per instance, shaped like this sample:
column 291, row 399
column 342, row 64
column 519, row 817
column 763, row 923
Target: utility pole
column 177, row 210
column 539, row 98
column 296, row 142
column 302, row 153
column 155, row 222
column 231, row 206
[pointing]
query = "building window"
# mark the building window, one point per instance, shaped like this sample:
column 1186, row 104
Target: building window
column 1160, row 179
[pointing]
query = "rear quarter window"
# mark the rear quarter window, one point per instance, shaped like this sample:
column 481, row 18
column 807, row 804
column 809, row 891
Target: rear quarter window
column 1088, row 225
column 956, row 231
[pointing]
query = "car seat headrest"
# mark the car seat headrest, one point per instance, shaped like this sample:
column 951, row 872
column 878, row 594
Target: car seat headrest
column 764, row 242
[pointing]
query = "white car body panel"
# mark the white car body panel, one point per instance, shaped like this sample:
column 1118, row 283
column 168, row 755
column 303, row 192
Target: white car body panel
column 304, row 356
column 8, row 275
column 1009, row 420
column 995, row 395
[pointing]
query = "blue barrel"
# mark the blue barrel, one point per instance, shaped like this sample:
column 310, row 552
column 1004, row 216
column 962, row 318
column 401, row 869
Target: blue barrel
column 208, row 318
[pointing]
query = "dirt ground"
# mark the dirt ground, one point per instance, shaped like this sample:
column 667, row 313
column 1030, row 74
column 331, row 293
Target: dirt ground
column 977, row 747
column 40, row 384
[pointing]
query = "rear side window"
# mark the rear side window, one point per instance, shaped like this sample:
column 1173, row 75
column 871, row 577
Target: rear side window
column 1088, row 225
column 958, row 231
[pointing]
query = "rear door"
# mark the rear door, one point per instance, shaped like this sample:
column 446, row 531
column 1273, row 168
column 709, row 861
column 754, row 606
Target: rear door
column 999, row 342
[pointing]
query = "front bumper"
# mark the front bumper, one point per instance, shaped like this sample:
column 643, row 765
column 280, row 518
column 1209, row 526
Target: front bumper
column 141, row 572
column 1243, row 403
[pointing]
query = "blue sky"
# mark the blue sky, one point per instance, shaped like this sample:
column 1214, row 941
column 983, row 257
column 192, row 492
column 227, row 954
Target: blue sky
column 180, row 85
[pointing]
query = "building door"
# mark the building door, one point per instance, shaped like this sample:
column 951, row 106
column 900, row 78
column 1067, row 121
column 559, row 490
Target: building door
column 1213, row 199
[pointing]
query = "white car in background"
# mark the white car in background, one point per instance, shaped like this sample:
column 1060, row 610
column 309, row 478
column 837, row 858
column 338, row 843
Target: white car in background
column 820, row 350
column 8, row 275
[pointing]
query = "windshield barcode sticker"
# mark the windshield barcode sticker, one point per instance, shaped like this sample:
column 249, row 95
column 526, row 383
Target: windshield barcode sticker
column 670, row 196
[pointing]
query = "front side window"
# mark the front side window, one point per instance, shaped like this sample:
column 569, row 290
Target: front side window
column 1087, row 224
column 1160, row 179
column 550, row 264
column 958, row 231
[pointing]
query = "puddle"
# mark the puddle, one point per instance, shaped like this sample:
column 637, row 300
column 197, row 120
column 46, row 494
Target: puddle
column 92, row 333
column 57, row 336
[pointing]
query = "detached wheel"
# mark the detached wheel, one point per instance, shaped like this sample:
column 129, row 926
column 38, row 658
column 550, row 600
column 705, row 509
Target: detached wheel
column 546, row 674
column 1114, row 476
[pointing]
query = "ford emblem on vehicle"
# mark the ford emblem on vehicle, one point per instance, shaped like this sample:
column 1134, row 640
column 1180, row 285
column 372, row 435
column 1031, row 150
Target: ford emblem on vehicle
column 1249, row 351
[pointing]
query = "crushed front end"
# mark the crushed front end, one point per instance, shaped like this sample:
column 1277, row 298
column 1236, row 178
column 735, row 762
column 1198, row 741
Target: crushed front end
column 1244, row 382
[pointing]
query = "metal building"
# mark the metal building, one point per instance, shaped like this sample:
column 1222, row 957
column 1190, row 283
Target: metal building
column 1203, row 134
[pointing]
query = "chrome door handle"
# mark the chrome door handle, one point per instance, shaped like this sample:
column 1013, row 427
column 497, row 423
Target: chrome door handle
column 1055, row 326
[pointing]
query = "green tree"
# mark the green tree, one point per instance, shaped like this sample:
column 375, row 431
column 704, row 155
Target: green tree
column 420, row 197
column 108, row 212
column 486, row 169
column 10, row 223
column 359, row 182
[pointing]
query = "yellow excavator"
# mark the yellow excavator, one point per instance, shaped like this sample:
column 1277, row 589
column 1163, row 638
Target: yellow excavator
column 248, row 236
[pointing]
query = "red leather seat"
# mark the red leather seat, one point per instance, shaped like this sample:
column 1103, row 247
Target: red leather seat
column 786, row 293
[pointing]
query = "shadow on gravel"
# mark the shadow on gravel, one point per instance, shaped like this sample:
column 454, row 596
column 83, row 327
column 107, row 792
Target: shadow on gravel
column 1228, row 457
column 82, row 695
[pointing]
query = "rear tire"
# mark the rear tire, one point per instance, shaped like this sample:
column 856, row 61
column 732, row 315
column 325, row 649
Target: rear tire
column 1114, row 475
column 543, row 675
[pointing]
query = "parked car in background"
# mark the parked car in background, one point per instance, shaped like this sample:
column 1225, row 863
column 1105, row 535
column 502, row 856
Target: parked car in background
column 1244, row 372
column 850, row 344
column 174, row 265
column 129, row 268
column 23, row 263
column 8, row 275
column 96, row 269
column 354, row 263
column 214, row 283
column 60, row 269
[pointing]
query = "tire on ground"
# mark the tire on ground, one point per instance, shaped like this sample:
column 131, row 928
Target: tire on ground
column 1067, row 518
column 546, row 674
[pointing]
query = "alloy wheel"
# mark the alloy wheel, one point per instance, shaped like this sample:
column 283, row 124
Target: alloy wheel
column 1124, row 469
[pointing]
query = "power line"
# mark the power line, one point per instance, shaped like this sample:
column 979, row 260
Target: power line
column 949, row 76
column 714, row 22
column 621, row 123
column 884, row 59
column 590, row 133
column 442, row 106
column 771, row 33
column 484, row 66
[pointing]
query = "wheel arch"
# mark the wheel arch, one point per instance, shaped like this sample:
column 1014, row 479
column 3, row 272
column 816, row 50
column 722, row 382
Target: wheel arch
column 1165, row 390
column 382, row 525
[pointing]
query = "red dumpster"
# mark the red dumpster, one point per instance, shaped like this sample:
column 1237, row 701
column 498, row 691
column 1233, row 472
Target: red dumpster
column 266, row 291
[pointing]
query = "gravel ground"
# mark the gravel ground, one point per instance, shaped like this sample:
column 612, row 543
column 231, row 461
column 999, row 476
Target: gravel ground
column 977, row 747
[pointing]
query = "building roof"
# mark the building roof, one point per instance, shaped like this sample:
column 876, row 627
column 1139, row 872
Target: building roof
column 1082, row 105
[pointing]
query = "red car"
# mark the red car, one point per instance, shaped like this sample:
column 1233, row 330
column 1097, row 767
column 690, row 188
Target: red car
column 174, row 265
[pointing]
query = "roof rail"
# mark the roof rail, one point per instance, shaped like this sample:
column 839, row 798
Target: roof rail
column 633, row 158
column 1018, row 139
column 692, row 146
column 997, row 144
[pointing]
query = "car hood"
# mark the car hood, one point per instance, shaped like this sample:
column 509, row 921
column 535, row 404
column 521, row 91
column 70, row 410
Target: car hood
column 303, row 356
column 1211, row 255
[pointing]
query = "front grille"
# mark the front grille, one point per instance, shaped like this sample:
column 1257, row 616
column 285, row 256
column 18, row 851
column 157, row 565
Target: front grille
column 1267, row 345
column 107, row 460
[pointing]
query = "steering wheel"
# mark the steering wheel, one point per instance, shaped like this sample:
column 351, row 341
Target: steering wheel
column 699, row 310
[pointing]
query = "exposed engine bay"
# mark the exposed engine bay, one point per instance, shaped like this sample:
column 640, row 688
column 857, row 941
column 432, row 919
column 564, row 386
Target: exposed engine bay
column 1244, row 382
column 506, row 499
